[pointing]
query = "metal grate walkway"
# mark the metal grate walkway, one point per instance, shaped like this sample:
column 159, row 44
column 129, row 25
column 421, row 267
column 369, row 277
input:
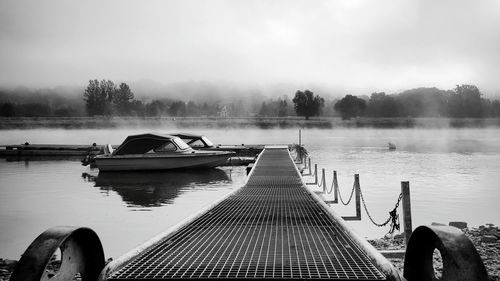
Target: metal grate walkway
column 270, row 228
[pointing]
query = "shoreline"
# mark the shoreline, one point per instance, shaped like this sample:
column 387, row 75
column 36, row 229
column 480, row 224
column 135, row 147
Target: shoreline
column 7, row 123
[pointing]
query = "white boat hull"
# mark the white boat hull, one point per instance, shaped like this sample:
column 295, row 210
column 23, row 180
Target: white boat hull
column 161, row 162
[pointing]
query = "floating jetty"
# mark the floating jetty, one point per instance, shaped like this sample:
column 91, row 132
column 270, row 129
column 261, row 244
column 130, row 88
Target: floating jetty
column 273, row 227
column 28, row 149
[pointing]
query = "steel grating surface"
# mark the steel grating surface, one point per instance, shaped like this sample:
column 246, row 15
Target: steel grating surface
column 270, row 228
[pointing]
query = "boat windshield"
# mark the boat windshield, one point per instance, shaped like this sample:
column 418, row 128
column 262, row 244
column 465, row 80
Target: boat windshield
column 166, row 147
column 207, row 141
column 181, row 144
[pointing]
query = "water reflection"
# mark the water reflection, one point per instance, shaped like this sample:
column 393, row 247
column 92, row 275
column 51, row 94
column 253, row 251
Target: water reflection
column 155, row 188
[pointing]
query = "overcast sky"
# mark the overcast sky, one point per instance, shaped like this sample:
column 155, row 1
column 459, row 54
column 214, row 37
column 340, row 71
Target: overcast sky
column 354, row 45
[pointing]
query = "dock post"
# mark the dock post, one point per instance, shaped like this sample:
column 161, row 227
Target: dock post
column 300, row 146
column 323, row 180
column 310, row 172
column 405, row 190
column 315, row 173
column 335, row 188
column 300, row 137
column 358, row 196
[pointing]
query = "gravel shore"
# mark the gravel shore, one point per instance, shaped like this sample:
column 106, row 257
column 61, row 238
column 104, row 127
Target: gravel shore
column 486, row 239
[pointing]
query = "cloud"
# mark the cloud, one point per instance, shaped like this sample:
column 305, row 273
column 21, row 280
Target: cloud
column 352, row 44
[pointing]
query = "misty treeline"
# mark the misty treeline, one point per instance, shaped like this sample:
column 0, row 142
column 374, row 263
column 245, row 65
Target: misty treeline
column 105, row 98
column 465, row 101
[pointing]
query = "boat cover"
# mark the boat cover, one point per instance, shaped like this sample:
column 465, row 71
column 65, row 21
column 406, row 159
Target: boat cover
column 140, row 144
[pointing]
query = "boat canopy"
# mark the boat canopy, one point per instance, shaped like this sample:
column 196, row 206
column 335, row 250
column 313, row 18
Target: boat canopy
column 140, row 144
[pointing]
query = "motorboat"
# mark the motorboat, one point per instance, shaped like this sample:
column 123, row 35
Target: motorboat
column 157, row 152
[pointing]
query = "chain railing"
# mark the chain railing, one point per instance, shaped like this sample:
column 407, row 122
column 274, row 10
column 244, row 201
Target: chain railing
column 350, row 196
column 322, row 182
column 332, row 186
column 393, row 215
column 393, row 218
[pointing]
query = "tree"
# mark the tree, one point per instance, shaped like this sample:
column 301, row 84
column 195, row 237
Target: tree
column 177, row 108
column 155, row 108
column 495, row 112
column 466, row 101
column 382, row 105
column 422, row 102
column 264, row 110
column 122, row 100
column 7, row 110
column 307, row 105
column 192, row 109
column 283, row 108
column 350, row 106
column 98, row 97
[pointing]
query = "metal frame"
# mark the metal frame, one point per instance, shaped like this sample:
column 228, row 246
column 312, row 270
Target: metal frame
column 81, row 253
column 461, row 262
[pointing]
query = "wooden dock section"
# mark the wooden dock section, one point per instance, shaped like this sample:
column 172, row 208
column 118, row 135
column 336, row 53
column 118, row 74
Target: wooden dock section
column 271, row 228
column 50, row 150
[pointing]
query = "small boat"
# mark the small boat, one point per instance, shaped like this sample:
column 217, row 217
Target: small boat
column 201, row 142
column 391, row 146
column 195, row 141
column 244, row 155
column 158, row 152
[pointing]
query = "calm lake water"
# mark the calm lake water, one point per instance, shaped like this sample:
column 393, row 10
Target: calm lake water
column 454, row 174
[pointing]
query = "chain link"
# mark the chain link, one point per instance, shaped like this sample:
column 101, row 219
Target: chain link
column 321, row 183
column 350, row 196
column 331, row 187
column 393, row 215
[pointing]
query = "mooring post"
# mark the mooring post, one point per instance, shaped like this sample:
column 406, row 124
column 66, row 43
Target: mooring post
column 315, row 173
column 300, row 137
column 310, row 166
column 358, row 196
column 323, row 180
column 335, row 188
column 405, row 190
